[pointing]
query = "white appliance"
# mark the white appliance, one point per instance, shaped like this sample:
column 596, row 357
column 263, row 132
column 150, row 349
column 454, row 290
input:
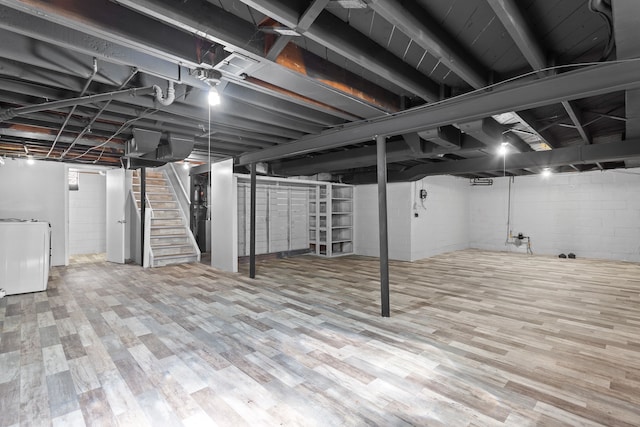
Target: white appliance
column 24, row 256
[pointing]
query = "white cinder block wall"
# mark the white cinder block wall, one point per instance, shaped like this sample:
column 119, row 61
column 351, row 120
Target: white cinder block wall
column 442, row 224
column 38, row 191
column 592, row 214
column 398, row 219
column 87, row 215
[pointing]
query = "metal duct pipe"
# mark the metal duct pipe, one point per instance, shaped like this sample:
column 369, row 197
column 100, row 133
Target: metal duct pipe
column 11, row 113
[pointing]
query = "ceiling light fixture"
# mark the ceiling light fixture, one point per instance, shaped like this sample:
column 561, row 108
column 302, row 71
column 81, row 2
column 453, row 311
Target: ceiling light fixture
column 503, row 149
column 30, row 160
column 214, row 96
column 546, row 173
column 185, row 165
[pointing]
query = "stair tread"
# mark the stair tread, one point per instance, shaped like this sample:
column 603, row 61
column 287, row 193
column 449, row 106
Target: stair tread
column 175, row 236
column 175, row 256
column 181, row 226
column 172, row 245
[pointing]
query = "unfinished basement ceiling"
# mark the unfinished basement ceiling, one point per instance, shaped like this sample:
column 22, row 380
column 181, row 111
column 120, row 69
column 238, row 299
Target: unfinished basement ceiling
column 307, row 85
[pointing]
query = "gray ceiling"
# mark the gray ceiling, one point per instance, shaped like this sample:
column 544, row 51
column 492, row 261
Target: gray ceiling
column 307, row 85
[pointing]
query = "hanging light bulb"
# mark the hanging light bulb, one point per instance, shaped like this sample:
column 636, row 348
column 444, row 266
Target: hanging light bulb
column 503, row 149
column 185, row 165
column 30, row 160
column 546, row 173
column 214, row 97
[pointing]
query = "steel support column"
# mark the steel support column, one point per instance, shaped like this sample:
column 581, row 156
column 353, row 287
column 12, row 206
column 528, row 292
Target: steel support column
column 252, row 226
column 382, row 225
column 143, row 205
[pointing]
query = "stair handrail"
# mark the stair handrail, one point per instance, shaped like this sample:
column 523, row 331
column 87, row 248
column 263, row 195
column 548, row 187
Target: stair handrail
column 146, row 198
column 184, row 192
column 135, row 226
column 148, row 253
column 182, row 196
column 186, row 222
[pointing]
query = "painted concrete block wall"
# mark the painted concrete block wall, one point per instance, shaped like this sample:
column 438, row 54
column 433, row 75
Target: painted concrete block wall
column 592, row 214
column 442, row 224
column 38, row 191
column 87, row 215
column 398, row 218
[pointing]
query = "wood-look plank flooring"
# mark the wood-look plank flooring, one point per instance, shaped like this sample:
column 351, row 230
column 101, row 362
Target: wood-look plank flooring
column 475, row 339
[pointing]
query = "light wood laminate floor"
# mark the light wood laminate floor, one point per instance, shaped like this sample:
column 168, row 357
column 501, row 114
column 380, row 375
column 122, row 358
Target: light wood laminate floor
column 475, row 339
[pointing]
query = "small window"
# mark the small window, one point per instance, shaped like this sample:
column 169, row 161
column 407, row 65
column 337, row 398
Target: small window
column 74, row 180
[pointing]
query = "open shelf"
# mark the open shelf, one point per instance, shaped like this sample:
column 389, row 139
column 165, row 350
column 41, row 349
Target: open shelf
column 331, row 219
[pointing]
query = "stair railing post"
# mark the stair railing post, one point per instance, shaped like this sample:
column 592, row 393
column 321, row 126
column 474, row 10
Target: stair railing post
column 143, row 197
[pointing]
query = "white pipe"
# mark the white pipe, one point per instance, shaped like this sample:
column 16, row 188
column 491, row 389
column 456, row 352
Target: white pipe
column 171, row 94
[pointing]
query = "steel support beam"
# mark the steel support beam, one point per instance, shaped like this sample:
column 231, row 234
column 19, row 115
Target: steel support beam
column 382, row 225
column 304, row 23
column 110, row 21
column 277, row 47
column 574, row 155
column 518, row 28
column 397, row 151
column 240, row 36
column 583, row 83
column 625, row 25
column 334, row 34
column 575, row 115
column 311, row 14
column 10, row 113
column 177, row 112
column 423, row 30
column 41, row 134
column 34, row 53
column 263, row 100
column 252, row 225
column 105, row 49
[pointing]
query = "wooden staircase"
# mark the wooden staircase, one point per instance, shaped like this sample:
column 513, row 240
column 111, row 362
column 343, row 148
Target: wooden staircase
column 170, row 238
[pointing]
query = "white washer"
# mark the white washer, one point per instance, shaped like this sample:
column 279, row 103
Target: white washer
column 24, row 256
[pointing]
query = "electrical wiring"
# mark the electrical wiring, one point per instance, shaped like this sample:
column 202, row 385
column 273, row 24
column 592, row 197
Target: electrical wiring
column 121, row 129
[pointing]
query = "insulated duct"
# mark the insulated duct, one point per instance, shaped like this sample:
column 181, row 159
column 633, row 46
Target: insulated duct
column 143, row 142
column 444, row 136
column 176, row 148
column 149, row 148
